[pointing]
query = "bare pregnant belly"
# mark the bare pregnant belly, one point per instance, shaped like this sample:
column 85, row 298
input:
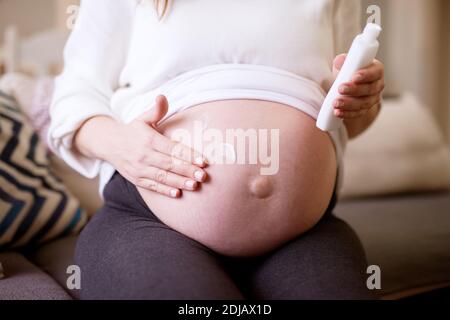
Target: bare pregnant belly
column 271, row 176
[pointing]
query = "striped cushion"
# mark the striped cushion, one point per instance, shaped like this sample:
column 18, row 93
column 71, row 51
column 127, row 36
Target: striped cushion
column 34, row 205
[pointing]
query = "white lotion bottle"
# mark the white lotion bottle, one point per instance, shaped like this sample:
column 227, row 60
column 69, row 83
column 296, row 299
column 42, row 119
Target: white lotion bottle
column 361, row 54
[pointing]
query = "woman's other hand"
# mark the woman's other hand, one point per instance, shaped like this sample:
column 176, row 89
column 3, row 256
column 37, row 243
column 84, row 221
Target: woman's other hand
column 359, row 102
column 362, row 94
column 142, row 155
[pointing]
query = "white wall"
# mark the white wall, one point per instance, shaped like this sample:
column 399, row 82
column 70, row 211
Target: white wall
column 416, row 52
column 28, row 15
column 445, row 63
column 31, row 16
column 61, row 11
column 415, row 43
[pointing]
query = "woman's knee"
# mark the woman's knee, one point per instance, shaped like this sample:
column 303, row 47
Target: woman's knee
column 326, row 263
column 135, row 259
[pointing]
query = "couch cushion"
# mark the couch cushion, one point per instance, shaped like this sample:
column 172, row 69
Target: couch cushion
column 25, row 281
column 403, row 151
column 84, row 189
column 54, row 258
column 407, row 236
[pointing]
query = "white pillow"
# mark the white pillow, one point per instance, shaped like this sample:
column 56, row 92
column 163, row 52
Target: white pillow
column 403, row 151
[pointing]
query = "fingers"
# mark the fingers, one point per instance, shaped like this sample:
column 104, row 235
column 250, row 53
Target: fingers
column 157, row 113
column 338, row 63
column 366, row 82
column 162, row 165
column 349, row 114
column 370, row 74
column 170, row 164
column 176, row 150
column 169, row 179
column 161, row 174
column 345, row 103
column 362, row 93
column 350, row 108
column 158, row 187
column 163, row 144
column 167, row 183
column 160, row 110
column 361, row 90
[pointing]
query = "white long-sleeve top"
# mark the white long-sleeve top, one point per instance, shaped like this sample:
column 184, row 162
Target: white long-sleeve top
column 120, row 56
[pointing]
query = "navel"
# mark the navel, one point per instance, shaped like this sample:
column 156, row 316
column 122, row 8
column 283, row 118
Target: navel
column 261, row 187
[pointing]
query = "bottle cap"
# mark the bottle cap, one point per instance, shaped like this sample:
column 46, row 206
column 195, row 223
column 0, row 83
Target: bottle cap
column 371, row 32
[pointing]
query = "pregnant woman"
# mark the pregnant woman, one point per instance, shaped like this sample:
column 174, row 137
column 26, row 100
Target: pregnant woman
column 199, row 117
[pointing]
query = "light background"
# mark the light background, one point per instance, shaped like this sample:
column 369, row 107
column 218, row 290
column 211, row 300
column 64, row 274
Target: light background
column 415, row 43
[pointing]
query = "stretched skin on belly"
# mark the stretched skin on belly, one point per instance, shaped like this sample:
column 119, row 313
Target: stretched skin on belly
column 239, row 211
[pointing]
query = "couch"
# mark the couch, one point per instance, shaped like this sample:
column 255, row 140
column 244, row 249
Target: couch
column 408, row 236
column 404, row 229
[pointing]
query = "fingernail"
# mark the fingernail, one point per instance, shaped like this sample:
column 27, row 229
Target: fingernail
column 199, row 176
column 344, row 89
column 190, row 184
column 338, row 113
column 338, row 104
column 358, row 77
column 174, row 193
column 199, row 161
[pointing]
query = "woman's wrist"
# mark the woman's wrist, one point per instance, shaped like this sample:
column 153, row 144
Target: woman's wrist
column 358, row 125
column 95, row 138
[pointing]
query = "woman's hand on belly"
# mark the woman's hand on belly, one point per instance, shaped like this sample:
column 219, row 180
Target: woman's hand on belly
column 147, row 158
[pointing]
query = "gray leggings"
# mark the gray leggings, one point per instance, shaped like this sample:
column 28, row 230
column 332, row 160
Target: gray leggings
column 126, row 252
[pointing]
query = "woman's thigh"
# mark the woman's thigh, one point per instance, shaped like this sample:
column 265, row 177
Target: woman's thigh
column 124, row 253
column 328, row 262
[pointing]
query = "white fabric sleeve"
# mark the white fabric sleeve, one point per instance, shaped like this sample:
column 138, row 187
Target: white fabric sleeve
column 93, row 59
column 346, row 24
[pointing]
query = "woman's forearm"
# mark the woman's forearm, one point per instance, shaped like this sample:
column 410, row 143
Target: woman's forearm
column 141, row 154
column 95, row 137
column 357, row 126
